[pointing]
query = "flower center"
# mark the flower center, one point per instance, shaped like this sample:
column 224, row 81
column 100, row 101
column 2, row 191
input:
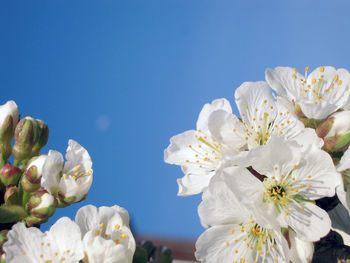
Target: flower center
column 317, row 88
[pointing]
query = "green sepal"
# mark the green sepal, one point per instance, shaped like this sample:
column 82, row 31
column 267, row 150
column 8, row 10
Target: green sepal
column 14, row 199
column 32, row 220
column 311, row 123
column 11, row 213
column 45, row 212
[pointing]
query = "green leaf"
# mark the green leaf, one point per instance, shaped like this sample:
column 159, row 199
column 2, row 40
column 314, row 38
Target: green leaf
column 11, row 213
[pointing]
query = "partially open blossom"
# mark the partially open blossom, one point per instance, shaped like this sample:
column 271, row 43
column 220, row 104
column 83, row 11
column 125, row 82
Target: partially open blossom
column 315, row 95
column 8, row 121
column 335, row 131
column 42, row 204
column 69, row 181
column 33, row 173
column 62, row 243
column 106, row 234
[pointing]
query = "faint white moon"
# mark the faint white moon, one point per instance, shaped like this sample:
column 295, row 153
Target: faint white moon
column 103, row 122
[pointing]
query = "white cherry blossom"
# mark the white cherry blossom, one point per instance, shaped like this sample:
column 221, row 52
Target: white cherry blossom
column 62, row 243
column 106, row 234
column 319, row 94
column 197, row 151
column 235, row 234
column 222, row 136
column 70, row 181
column 294, row 178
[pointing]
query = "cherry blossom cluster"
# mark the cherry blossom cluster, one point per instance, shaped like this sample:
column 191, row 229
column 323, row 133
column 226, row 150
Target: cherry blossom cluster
column 33, row 185
column 262, row 172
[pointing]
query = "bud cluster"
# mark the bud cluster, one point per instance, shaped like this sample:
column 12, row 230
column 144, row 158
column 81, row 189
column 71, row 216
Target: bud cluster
column 33, row 185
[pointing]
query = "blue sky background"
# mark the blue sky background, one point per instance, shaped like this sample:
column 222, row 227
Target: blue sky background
column 122, row 77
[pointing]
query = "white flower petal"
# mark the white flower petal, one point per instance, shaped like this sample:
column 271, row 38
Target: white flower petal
column 24, row 244
column 77, row 155
column 222, row 202
column 208, row 109
column 39, row 163
column 211, row 246
column 9, row 109
column 192, row 184
column 280, row 79
column 89, row 217
column 77, row 188
column 300, row 251
column 67, row 237
column 51, row 171
column 344, row 162
column 254, row 100
column 320, row 111
column 310, row 223
column 316, row 175
column 308, row 136
column 227, row 129
column 277, row 157
column 228, row 243
column 100, row 250
column 61, row 243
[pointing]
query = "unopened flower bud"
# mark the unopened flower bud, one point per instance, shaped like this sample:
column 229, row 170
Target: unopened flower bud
column 26, row 136
column 10, row 174
column 31, row 179
column 42, row 204
column 8, row 121
column 335, row 131
column 10, row 190
column 42, row 138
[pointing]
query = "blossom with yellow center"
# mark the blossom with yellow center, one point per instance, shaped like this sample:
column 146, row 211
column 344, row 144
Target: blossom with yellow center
column 319, row 94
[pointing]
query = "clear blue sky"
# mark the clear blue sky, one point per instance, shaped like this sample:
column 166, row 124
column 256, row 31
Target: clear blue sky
column 122, row 77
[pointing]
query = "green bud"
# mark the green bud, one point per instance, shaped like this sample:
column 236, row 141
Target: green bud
column 42, row 204
column 26, row 136
column 338, row 143
column 42, row 139
column 10, row 174
column 324, row 128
